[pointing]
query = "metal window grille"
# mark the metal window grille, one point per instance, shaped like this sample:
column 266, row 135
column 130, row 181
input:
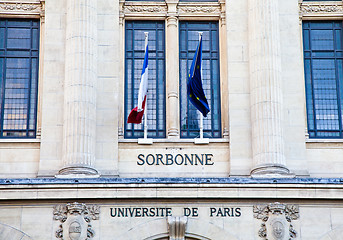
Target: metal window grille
column 323, row 77
column 134, row 56
column 19, row 48
column 190, row 118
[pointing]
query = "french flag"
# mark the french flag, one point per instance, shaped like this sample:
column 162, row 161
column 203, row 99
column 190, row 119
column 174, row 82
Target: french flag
column 137, row 113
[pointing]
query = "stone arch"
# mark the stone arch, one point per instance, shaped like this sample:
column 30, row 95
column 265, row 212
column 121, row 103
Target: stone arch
column 335, row 234
column 157, row 229
column 10, row 233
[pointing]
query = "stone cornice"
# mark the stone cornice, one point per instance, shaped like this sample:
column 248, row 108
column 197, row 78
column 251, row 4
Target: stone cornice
column 22, row 8
column 321, row 9
column 151, row 188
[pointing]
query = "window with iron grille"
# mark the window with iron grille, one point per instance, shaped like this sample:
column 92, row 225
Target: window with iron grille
column 134, row 56
column 190, row 117
column 19, row 45
column 323, row 77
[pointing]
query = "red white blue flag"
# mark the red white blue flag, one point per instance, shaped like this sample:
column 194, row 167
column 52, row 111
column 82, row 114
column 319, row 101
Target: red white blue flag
column 137, row 113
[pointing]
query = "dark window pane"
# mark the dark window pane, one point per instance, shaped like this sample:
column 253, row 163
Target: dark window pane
column 190, row 118
column 19, row 76
column 134, row 56
column 323, row 78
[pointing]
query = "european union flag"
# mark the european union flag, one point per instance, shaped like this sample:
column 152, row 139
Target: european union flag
column 194, row 85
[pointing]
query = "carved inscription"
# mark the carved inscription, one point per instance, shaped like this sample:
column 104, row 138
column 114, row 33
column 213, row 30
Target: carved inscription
column 175, row 159
column 140, row 212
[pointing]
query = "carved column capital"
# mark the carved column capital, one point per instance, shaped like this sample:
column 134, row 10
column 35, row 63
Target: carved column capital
column 75, row 220
column 177, row 227
column 172, row 21
column 276, row 219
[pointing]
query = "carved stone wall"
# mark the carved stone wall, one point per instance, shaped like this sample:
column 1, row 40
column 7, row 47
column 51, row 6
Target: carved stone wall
column 276, row 221
column 75, row 221
column 11, row 233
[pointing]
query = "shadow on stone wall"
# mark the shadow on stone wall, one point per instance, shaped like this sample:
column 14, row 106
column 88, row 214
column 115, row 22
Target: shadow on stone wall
column 11, row 233
column 335, row 234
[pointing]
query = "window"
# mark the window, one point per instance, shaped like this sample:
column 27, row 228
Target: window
column 19, row 44
column 210, row 78
column 323, row 78
column 134, row 56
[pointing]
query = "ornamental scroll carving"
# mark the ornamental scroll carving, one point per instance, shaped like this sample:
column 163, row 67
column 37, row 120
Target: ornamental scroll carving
column 313, row 9
column 144, row 9
column 27, row 8
column 163, row 9
column 321, row 9
column 276, row 221
column 75, row 221
column 198, row 9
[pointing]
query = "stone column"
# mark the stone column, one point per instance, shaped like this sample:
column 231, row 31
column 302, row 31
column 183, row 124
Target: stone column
column 172, row 71
column 266, row 90
column 79, row 123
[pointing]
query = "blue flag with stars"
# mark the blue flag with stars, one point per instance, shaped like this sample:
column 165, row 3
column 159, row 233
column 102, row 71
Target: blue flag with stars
column 194, row 85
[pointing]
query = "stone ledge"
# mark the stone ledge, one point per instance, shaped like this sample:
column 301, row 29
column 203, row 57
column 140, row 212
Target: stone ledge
column 171, row 181
column 171, row 188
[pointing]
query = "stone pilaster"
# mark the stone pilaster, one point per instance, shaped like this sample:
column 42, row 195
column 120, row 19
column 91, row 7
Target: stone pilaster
column 79, row 125
column 266, row 90
column 172, row 67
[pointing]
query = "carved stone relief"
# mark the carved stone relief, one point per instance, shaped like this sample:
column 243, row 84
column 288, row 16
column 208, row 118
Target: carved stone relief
column 276, row 221
column 22, row 7
column 320, row 9
column 144, row 8
column 315, row 9
column 198, row 9
column 163, row 9
column 75, row 221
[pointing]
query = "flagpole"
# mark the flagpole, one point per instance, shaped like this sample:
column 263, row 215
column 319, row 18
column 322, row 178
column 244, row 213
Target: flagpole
column 201, row 116
column 146, row 100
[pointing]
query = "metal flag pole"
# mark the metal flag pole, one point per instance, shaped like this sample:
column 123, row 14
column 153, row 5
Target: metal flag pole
column 201, row 116
column 146, row 100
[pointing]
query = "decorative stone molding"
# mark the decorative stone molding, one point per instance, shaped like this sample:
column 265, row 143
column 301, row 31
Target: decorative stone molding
column 177, row 227
column 159, row 9
column 276, row 218
column 75, row 220
column 320, row 9
column 198, row 9
column 22, row 7
column 143, row 9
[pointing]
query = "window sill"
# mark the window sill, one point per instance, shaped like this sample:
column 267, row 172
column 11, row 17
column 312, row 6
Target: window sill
column 18, row 140
column 323, row 140
column 175, row 140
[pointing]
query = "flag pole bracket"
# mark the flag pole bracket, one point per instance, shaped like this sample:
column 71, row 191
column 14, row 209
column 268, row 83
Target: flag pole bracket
column 201, row 140
column 145, row 141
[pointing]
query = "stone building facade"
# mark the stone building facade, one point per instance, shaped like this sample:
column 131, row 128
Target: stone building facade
column 269, row 165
